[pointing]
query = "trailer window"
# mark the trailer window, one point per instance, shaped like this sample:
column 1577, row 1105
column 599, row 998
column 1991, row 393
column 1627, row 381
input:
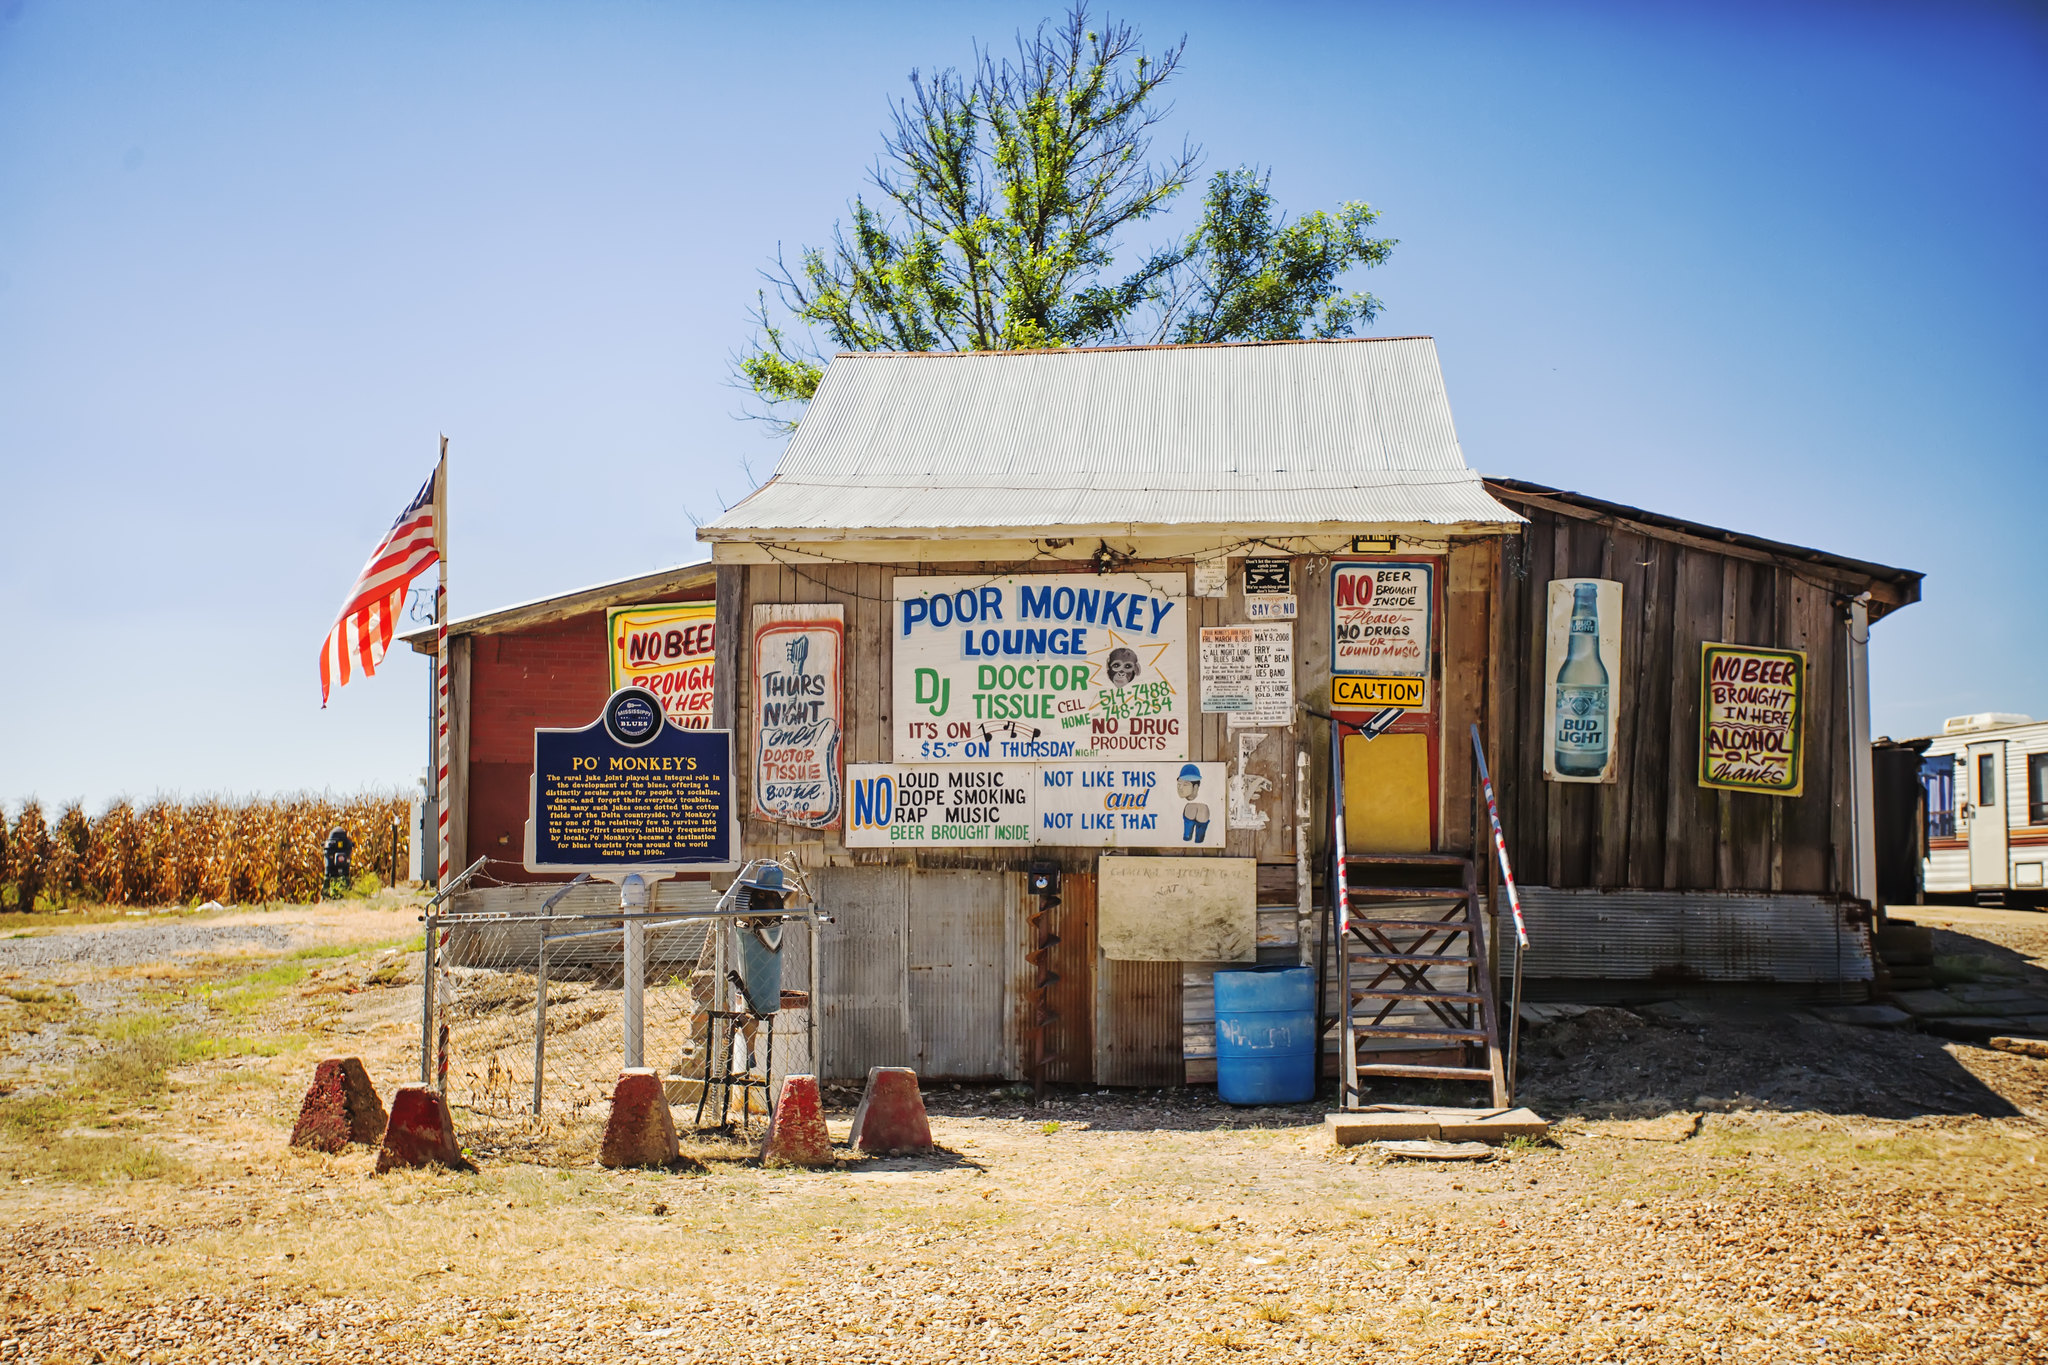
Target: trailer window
column 2037, row 789
column 1987, row 780
column 1938, row 776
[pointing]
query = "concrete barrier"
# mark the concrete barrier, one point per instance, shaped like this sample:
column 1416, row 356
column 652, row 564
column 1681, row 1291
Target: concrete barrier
column 419, row 1132
column 796, row 1135
column 341, row 1106
column 639, row 1131
column 891, row 1118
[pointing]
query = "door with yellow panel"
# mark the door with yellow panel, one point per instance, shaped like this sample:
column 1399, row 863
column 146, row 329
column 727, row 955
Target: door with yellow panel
column 1384, row 685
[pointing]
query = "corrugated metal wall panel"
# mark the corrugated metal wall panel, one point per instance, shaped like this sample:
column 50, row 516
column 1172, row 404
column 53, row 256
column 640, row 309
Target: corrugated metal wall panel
column 1138, row 1023
column 1677, row 936
column 958, row 1019
column 866, row 1019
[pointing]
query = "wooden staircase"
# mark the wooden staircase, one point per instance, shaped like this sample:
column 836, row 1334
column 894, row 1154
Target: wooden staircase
column 1412, row 966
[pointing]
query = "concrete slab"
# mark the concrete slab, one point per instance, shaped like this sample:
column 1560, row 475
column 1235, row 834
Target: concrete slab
column 1423, row 1150
column 1974, row 1028
column 1864, row 1016
column 1929, row 1004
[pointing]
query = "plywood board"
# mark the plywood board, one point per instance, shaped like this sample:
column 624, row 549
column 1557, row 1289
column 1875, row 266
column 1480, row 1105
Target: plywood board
column 1386, row 793
column 1178, row 909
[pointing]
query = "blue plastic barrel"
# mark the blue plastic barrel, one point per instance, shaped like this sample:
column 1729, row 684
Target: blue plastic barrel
column 1266, row 1035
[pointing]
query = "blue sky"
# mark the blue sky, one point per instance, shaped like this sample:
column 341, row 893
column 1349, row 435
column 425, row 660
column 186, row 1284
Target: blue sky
column 1776, row 268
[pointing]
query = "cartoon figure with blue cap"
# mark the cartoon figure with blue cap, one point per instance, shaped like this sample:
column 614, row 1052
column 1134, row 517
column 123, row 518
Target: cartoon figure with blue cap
column 1194, row 816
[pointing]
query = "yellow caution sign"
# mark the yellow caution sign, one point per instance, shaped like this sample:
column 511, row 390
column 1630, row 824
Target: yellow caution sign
column 1372, row 694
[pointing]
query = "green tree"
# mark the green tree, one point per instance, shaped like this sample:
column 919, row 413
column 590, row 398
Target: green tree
column 1000, row 205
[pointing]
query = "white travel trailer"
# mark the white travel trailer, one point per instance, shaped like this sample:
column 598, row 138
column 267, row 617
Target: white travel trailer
column 1987, row 808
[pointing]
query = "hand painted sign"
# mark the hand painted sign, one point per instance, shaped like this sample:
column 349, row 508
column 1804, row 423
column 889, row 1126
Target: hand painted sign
column 670, row 650
column 1085, row 804
column 798, row 713
column 1037, row 667
column 1751, row 721
column 1380, row 616
column 1132, row 805
column 1581, row 661
column 630, row 790
column 954, row 805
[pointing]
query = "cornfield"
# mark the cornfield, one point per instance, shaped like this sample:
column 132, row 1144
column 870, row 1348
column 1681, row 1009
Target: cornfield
column 185, row 853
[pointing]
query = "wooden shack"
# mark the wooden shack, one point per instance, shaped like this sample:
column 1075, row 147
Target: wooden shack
column 1096, row 613
column 1216, row 477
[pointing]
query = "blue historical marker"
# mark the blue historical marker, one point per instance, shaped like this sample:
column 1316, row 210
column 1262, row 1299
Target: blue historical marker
column 630, row 790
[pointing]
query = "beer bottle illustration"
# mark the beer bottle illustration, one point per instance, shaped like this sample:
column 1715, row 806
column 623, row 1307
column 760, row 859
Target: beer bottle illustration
column 1580, row 729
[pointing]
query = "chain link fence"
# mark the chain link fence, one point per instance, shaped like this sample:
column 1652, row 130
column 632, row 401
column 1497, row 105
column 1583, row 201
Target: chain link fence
column 530, row 1014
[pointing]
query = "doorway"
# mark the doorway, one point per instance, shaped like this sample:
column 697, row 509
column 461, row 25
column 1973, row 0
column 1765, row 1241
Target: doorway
column 1985, row 815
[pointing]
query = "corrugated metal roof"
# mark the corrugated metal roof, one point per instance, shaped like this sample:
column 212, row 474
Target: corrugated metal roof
column 621, row 592
column 1291, row 434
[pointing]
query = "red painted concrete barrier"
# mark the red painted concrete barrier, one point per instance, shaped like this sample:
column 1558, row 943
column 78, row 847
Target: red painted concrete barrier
column 419, row 1133
column 340, row 1107
column 891, row 1118
column 639, row 1131
column 796, row 1135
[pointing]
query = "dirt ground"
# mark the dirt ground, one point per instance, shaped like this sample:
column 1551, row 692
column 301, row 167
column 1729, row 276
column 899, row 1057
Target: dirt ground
column 1726, row 1183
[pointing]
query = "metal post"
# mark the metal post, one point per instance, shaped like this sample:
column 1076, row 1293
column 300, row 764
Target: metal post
column 540, row 1020
column 817, row 994
column 427, row 1009
column 633, row 900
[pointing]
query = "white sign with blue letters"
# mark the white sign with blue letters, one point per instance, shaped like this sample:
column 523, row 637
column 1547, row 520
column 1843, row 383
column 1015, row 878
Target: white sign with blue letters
column 1040, row 667
column 1089, row 804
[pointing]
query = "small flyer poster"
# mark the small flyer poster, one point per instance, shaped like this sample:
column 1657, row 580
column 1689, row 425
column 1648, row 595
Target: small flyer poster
column 1212, row 577
column 1751, row 702
column 670, row 650
column 1272, row 679
column 798, row 713
column 1276, row 606
column 1268, row 575
column 1228, row 669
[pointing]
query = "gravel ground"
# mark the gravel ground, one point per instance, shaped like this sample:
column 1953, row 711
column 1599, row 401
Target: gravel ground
column 134, row 945
column 1825, row 1193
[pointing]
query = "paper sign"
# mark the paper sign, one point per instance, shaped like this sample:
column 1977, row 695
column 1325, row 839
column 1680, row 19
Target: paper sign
column 1751, row 721
column 670, row 650
column 1268, row 576
column 798, row 715
column 1212, row 577
column 1132, row 805
column 1272, row 679
column 1085, row 804
column 1040, row 667
column 1226, row 657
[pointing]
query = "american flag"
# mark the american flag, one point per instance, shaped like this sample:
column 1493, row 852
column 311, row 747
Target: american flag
column 363, row 630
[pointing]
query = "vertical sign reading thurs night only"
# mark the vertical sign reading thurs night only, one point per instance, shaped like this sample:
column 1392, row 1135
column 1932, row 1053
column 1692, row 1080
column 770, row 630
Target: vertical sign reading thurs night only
column 798, row 713
column 630, row 790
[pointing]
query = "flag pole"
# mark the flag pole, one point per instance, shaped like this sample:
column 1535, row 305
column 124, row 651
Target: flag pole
column 441, row 754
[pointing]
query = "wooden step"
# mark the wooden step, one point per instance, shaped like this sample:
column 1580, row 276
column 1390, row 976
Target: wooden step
column 1427, row 1073
column 1457, row 997
column 1417, row 1031
column 1411, row 893
column 1407, row 859
column 1423, row 961
column 1450, row 926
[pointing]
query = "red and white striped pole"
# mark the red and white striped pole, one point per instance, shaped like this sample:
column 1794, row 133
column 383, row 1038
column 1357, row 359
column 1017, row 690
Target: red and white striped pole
column 441, row 748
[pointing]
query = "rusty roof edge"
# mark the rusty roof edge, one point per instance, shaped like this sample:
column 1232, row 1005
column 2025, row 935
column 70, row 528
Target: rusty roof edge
column 1907, row 581
column 574, row 603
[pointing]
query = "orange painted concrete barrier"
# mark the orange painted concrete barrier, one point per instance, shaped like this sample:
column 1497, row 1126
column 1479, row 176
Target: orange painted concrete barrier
column 340, row 1107
column 891, row 1118
column 796, row 1135
column 639, row 1131
column 419, row 1132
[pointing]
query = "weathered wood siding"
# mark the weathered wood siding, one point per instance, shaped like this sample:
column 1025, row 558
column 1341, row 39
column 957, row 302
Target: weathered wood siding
column 1655, row 827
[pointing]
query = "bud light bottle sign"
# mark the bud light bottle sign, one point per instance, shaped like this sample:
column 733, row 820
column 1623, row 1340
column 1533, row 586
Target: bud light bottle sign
column 1580, row 728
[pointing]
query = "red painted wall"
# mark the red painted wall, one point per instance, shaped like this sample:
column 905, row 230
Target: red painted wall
column 544, row 676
